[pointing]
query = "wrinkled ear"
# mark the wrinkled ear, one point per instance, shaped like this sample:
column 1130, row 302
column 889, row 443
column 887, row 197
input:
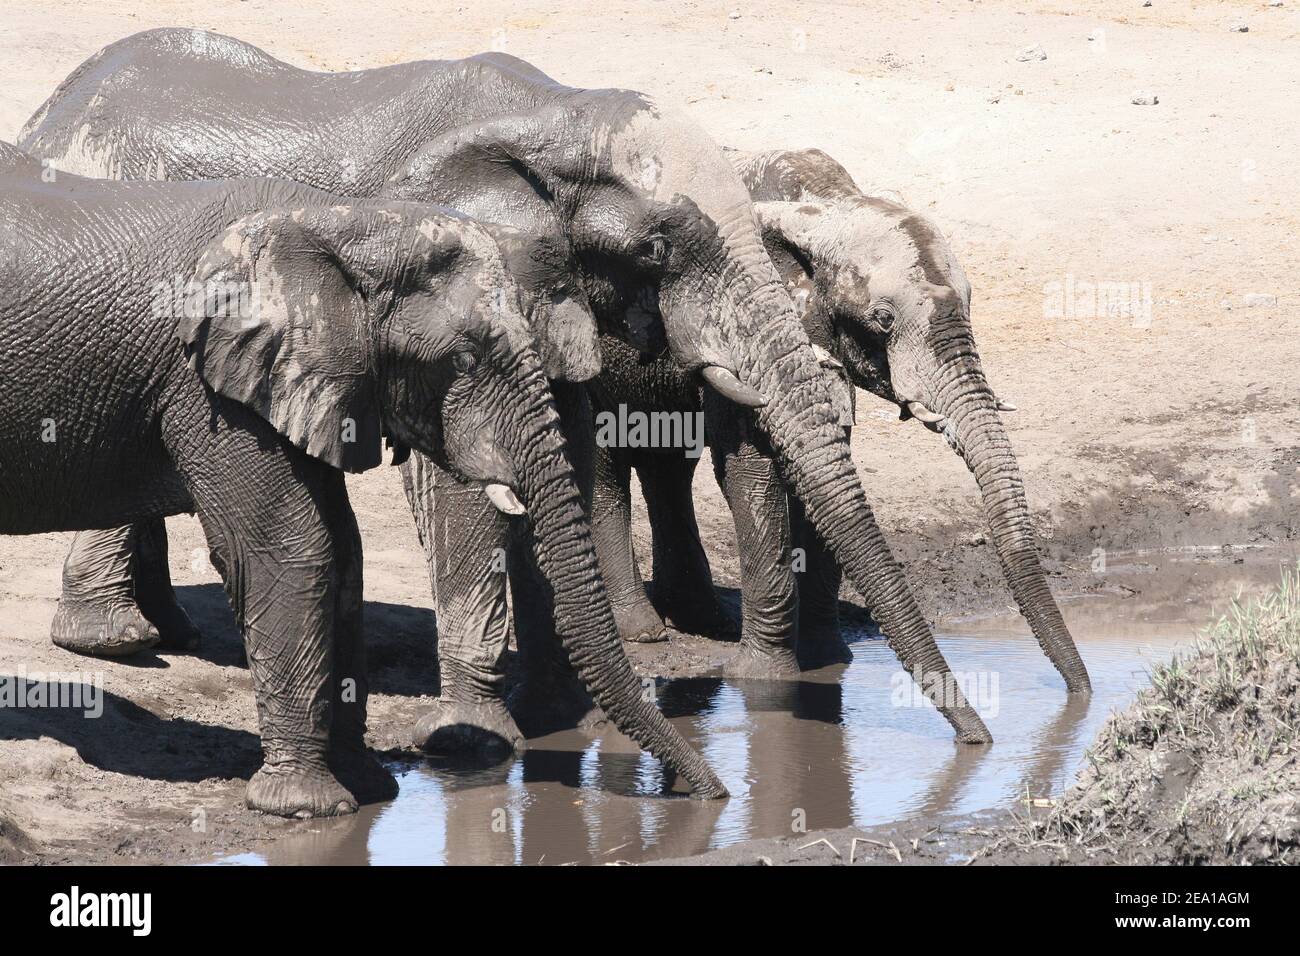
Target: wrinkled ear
column 788, row 229
column 564, row 328
column 275, row 321
column 794, row 174
column 505, row 170
column 567, row 337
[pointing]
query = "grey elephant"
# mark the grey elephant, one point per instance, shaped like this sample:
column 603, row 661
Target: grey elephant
column 230, row 349
column 886, row 304
column 659, row 229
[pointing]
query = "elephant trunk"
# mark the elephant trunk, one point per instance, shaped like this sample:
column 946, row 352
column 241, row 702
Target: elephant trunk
column 803, row 427
column 981, row 439
column 584, row 620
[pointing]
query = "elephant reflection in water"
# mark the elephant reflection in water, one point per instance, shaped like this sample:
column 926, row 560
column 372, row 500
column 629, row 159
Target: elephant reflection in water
column 583, row 805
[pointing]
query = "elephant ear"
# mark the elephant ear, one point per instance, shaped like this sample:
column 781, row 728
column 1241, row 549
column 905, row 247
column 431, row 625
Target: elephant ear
column 564, row 328
column 507, row 171
column 504, row 170
column 274, row 321
column 788, row 230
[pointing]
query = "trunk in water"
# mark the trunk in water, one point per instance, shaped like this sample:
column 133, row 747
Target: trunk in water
column 584, row 619
column 804, row 429
column 982, row 442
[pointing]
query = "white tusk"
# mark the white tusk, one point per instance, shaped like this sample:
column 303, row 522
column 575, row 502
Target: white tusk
column 726, row 384
column 828, row 360
column 504, row 500
column 1007, row 406
column 921, row 413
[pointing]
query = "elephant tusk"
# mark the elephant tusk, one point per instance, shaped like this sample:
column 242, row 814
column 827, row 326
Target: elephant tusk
column 923, row 414
column 725, row 383
column 1007, row 406
column 826, row 358
column 504, row 499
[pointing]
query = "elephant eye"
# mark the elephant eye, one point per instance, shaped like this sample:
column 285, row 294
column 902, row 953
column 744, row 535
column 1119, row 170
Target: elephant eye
column 654, row 251
column 882, row 318
column 464, row 362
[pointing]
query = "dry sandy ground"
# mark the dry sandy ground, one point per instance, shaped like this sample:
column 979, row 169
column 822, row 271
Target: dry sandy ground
column 1165, row 418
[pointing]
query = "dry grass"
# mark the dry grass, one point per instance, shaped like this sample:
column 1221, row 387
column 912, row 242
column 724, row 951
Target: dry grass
column 1202, row 768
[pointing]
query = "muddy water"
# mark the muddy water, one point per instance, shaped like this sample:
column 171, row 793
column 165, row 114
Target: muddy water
column 850, row 745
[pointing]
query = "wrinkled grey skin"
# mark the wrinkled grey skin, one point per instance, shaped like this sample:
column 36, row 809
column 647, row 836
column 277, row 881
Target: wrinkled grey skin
column 885, row 301
column 238, row 345
column 660, row 229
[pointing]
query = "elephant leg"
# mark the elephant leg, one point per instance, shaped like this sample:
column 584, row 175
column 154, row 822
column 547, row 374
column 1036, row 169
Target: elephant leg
column 352, row 762
column 264, row 509
column 750, row 480
column 117, row 594
column 465, row 541
column 819, row 641
column 97, row 612
column 549, row 695
column 154, row 592
column 683, row 582
column 611, row 529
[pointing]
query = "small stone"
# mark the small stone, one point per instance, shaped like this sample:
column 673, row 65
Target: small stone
column 1145, row 98
column 733, row 15
column 1256, row 300
column 1146, row 3
column 1238, row 28
column 1097, row 34
column 1031, row 53
column 949, row 87
column 1275, row 3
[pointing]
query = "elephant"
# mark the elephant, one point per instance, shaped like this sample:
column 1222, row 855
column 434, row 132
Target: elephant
column 310, row 327
column 658, row 227
column 887, row 305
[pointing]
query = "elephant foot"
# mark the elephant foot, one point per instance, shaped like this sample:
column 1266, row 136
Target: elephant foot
column 480, row 728
column 639, row 623
column 113, row 630
column 707, row 618
column 820, row 646
column 695, row 609
column 360, row 771
column 756, row 661
column 543, row 706
column 176, row 632
column 294, row 791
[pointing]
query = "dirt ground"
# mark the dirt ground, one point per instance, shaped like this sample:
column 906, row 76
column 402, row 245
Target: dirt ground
column 1164, row 413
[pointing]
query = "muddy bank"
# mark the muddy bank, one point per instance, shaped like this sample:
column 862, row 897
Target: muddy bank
column 1202, row 769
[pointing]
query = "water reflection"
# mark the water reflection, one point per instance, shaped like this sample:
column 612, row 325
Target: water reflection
column 831, row 750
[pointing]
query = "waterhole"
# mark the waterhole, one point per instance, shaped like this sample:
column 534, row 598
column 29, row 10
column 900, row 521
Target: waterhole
column 850, row 745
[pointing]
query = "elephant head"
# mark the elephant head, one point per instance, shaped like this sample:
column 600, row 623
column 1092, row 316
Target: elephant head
column 882, row 291
column 339, row 325
column 663, row 237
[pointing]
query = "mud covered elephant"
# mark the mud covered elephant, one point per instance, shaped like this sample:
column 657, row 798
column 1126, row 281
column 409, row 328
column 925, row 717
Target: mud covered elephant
column 887, row 306
column 659, row 228
column 230, row 349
